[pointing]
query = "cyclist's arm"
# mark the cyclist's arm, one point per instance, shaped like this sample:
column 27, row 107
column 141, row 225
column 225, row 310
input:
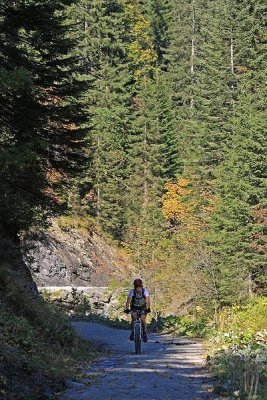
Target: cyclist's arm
column 147, row 302
column 128, row 302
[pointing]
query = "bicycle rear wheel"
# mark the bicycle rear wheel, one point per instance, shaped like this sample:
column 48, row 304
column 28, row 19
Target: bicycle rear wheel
column 137, row 338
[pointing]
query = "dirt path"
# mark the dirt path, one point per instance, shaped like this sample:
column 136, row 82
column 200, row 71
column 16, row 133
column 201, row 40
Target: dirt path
column 168, row 369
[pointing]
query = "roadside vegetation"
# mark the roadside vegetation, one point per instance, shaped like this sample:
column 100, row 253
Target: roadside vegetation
column 236, row 344
column 236, row 339
column 38, row 346
column 239, row 356
column 145, row 120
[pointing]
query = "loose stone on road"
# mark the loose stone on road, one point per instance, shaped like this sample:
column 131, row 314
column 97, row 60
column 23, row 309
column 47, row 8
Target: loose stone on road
column 168, row 369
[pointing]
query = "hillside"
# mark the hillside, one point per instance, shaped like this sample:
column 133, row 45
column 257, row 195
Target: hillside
column 38, row 347
column 71, row 257
column 133, row 142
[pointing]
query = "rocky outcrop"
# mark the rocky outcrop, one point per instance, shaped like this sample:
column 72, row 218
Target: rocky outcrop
column 13, row 269
column 68, row 257
column 84, row 300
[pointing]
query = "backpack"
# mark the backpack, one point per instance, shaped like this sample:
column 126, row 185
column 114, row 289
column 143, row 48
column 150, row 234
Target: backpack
column 138, row 301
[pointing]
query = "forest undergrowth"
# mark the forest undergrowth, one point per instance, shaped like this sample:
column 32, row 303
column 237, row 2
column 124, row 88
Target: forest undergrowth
column 236, row 343
column 38, row 346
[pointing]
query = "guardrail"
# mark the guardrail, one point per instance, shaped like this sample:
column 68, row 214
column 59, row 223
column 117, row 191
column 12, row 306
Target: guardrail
column 71, row 287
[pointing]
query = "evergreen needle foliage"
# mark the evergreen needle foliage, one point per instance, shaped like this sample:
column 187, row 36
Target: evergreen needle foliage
column 158, row 109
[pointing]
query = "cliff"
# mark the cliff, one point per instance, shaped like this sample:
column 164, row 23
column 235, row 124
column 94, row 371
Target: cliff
column 70, row 257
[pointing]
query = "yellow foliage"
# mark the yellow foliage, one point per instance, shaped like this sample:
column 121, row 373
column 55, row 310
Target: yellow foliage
column 141, row 49
column 179, row 206
column 141, row 27
column 251, row 317
column 189, row 202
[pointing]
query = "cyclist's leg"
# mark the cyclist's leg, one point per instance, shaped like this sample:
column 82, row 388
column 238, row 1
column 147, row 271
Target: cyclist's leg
column 134, row 316
column 143, row 319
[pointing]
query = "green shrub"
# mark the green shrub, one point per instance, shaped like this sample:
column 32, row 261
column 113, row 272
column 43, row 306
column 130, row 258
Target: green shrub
column 36, row 341
column 39, row 313
column 240, row 349
column 81, row 223
column 16, row 331
column 244, row 370
column 182, row 325
column 242, row 321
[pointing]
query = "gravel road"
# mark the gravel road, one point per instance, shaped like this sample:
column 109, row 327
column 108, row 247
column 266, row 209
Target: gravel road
column 168, row 369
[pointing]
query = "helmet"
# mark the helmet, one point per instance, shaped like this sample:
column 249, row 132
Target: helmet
column 138, row 282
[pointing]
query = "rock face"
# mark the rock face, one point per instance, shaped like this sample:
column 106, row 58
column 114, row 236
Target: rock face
column 71, row 258
column 13, row 267
column 84, row 300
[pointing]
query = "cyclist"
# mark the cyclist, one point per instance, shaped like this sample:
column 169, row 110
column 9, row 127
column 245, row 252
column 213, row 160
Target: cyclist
column 138, row 299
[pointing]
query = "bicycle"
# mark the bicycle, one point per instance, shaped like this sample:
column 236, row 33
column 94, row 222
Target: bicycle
column 138, row 330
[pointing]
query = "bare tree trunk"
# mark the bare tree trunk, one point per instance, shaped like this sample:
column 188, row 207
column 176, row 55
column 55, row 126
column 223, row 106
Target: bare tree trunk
column 85, row 28
column 250, row 292
column 193, row 44
column 232, row 64
column 98, row 182
column 232, row 54
column 145, row 161
column 145, row 169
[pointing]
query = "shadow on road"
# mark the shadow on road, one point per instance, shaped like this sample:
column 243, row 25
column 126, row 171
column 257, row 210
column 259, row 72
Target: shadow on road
column 168, row 368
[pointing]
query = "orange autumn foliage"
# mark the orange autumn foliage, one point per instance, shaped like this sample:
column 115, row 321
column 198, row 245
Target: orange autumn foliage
column 179, row 205
column 53, row 176
column 187, row 203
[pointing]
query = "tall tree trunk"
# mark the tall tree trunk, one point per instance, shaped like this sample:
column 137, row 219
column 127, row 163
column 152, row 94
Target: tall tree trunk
column 193, row 44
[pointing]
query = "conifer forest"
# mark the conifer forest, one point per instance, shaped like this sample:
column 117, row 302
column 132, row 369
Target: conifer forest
column 148, row 120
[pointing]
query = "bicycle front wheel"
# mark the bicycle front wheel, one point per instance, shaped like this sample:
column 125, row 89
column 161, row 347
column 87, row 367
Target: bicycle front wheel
column 137, row 339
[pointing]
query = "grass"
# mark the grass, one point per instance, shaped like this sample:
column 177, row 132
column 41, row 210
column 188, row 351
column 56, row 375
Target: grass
column 82, row 223
column 182, row 325
column 38, row 346
column 238, row 339
column 113, row 322
column 239, row 359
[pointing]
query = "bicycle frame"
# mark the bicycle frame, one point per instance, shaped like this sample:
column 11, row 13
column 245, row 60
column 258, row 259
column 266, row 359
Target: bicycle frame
column 138, row 330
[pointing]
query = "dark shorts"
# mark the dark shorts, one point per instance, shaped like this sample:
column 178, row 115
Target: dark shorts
column 138, row 308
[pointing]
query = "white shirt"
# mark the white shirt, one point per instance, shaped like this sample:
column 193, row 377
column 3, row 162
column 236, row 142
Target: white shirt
column 131, row 293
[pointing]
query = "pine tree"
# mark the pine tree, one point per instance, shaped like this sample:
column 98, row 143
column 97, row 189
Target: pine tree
column 239, row 226
column 103, row 54
column 39, row 136
column 158, row 12
column 178, row 59
column 212, row 92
